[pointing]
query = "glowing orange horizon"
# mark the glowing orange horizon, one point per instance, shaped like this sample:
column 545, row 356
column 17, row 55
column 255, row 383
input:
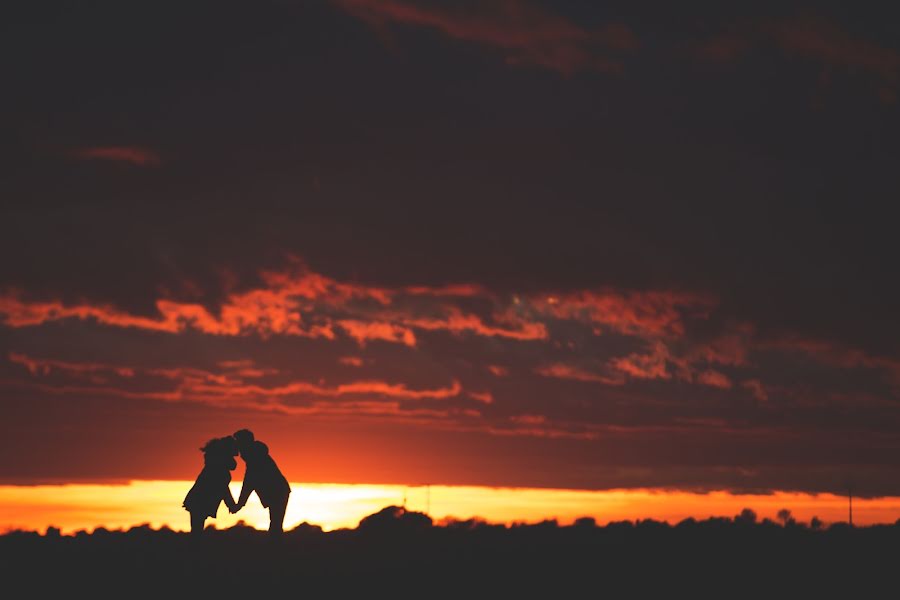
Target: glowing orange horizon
column 76, row 507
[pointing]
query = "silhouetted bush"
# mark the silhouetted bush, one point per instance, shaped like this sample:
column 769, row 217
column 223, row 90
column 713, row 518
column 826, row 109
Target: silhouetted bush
column 395, row 519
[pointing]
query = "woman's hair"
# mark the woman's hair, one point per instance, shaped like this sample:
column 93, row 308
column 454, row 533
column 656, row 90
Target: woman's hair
column 224, row 446
column 220, row 452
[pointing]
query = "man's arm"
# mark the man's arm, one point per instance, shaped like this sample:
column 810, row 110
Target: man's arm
column 229, row 501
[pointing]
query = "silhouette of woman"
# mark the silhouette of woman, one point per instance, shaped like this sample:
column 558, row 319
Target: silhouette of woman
column 211, row 487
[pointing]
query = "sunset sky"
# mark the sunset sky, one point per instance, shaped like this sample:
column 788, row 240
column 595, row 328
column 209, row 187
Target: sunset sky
column 509, row 243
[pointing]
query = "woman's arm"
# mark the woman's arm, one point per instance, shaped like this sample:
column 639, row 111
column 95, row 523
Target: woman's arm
column 229, row 500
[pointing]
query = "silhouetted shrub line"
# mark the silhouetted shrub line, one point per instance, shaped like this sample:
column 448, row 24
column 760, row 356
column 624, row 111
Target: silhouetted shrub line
column 398, row 549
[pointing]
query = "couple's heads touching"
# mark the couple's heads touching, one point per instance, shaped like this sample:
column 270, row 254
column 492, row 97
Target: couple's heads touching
column 223, row 450
column 250, row 448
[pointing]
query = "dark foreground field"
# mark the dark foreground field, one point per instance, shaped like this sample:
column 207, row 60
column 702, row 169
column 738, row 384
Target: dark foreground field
column 397, row 553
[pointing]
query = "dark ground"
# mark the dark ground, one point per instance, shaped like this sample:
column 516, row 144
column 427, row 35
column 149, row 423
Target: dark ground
column 395, row 554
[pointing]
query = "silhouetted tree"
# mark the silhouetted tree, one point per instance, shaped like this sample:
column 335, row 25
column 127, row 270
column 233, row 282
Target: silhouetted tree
column 747, row 516
column 784, row 515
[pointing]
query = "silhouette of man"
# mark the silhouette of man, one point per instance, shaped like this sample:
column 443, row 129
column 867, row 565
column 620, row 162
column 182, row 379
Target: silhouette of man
column 263, row 477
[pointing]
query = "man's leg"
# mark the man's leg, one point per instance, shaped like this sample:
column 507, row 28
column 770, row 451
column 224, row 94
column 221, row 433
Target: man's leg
column 276, row 515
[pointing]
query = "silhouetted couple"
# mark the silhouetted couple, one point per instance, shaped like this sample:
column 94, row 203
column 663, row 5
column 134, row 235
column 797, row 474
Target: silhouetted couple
column 261, row 476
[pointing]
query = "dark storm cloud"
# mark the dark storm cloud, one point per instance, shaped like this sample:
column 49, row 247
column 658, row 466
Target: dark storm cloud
column 142, row 157
column 527, row 33
column 517, row 224
column 816, row 39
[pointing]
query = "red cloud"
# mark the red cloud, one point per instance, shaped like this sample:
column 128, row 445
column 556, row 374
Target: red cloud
column 358, row 399
column 212, row 388
column 563, row 371
column 714, row 379
column 528, row 419
column 834, row 355
column 812, row 38
column 246, row 369
column 824, row 41
column 484, row 397
column 134, row 155
column 498, row 371
column 392, row 390
column 351, row 361
column 462, row 290
column 528, row 34
column 258, row 311
column 194, row 384
column 44, row 367
column 645, row 366
column 729, row 349
column 723, row 47
column 756, row 388
column 634, row 313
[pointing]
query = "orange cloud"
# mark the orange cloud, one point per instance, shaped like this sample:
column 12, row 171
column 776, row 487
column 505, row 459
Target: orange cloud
column 351, row 361
column 458, row 322
column 21, row 313
column 363, row 332
column 299, row 302
column 134, row 155
column 300, row 282
column 525, row 32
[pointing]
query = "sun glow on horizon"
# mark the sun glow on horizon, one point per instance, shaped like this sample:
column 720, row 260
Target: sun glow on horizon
column 85, row 507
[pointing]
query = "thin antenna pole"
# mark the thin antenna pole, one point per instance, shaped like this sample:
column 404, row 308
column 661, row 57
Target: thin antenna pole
column 850, row 497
